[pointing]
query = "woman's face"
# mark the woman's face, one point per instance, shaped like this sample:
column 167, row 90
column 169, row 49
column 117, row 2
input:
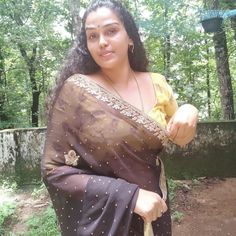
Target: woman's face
column 107, row 39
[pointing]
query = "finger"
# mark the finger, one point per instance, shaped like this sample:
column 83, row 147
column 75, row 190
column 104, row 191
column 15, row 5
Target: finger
column 184, row 132
column 148, row 220
column 160, row 213
column 164, row 206
column 161, row 209
column 157, row 213
column 181, row 132
column 186, row 138
column 169, row 125
column 173, row 133
column 145, row 219
column 151, row 216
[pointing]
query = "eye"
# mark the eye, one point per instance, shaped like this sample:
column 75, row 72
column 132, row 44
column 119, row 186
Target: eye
column 92, row 36
column 111, row 31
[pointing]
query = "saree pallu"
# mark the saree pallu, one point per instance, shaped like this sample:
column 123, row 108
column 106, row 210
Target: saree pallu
column 99, row 151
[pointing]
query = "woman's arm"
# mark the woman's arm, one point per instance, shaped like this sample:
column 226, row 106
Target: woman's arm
column 182, row 126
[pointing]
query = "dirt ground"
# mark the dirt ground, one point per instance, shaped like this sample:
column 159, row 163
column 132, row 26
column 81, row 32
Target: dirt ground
column 208, row 206
column 27, row 206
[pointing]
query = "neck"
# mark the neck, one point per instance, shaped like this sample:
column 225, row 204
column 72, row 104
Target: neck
column 119, row 78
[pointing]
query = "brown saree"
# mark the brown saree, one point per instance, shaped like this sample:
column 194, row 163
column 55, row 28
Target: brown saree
column 98, row 152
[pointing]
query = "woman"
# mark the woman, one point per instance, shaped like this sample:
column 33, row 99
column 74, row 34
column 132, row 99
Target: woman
column 107, row 125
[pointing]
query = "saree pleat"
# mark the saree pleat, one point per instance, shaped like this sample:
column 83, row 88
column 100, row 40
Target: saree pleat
column 98, row 152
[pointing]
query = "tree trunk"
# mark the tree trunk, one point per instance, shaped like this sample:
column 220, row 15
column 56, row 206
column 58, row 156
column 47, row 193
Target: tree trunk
column 2, row 93
column 226, row 91
column 223, row 71
column 31, row 63
column 74, row 6
column 208, row 73
column 3, row 116
column 167, row 46
column 208, row 80
column 35, row 109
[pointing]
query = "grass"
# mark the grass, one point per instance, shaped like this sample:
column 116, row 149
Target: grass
column 44, row 223
column 7, row 210
column 38, row 190
column 177, row 216
column 172, row 185
column 7, row 205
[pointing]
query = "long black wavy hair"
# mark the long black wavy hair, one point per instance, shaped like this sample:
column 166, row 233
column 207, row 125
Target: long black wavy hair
column 79, row 60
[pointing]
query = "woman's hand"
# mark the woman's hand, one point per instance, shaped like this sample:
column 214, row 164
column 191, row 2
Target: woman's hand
column 182, row 126
column 149, row 205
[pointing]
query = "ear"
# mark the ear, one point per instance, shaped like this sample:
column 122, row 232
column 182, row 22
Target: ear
column 131, row 42
column 131, row 46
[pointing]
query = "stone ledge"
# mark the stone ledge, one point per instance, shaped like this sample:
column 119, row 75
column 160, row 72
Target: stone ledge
column 211, row 153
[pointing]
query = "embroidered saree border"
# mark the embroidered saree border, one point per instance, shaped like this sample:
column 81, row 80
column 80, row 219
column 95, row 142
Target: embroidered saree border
column 122, row 106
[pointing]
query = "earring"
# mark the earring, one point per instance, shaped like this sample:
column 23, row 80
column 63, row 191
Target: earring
column 131, row 47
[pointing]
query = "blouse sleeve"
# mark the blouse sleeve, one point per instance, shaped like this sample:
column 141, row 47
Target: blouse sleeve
column 171, row 106
column 166, row 101
column 85, row 203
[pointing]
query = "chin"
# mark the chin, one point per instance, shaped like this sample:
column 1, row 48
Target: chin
column 108, row 65
column 112, row 64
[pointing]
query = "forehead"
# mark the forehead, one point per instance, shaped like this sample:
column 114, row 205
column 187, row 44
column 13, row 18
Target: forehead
column 101, row 16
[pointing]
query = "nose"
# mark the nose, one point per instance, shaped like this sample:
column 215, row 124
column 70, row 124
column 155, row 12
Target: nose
column 102, row 41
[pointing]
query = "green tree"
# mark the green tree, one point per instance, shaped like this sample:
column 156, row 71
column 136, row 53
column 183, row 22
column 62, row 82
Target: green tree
column 28, row 29
column 223, row 70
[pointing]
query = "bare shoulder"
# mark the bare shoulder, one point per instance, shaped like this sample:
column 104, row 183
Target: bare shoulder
column 148, row 75
column 141, row 74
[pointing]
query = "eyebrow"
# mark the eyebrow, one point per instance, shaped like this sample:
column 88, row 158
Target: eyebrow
column 103, row 26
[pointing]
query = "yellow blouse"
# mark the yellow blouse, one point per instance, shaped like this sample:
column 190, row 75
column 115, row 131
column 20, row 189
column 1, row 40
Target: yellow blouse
column 166, row 104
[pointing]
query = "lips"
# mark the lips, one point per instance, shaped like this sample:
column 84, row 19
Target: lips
column 105, row 54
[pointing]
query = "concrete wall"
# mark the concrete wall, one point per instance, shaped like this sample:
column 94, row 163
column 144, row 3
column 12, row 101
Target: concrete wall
column 20, row 153
column 212, row 153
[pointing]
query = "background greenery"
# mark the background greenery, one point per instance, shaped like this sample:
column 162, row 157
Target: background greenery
column 35, row 36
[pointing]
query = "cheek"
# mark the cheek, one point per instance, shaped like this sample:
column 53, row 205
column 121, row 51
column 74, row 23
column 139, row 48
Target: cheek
column 91, row 49
column 123, row 45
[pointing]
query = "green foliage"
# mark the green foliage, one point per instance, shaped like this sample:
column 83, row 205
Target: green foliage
column 191, row 53
column 43, row 224
column 7, row 210
column 172, row 185
column 176, row 46
column 27, row 26
column 37, row 191
column 8, row 184
column 177, row 216
column 196, row 182
column 7, row 204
